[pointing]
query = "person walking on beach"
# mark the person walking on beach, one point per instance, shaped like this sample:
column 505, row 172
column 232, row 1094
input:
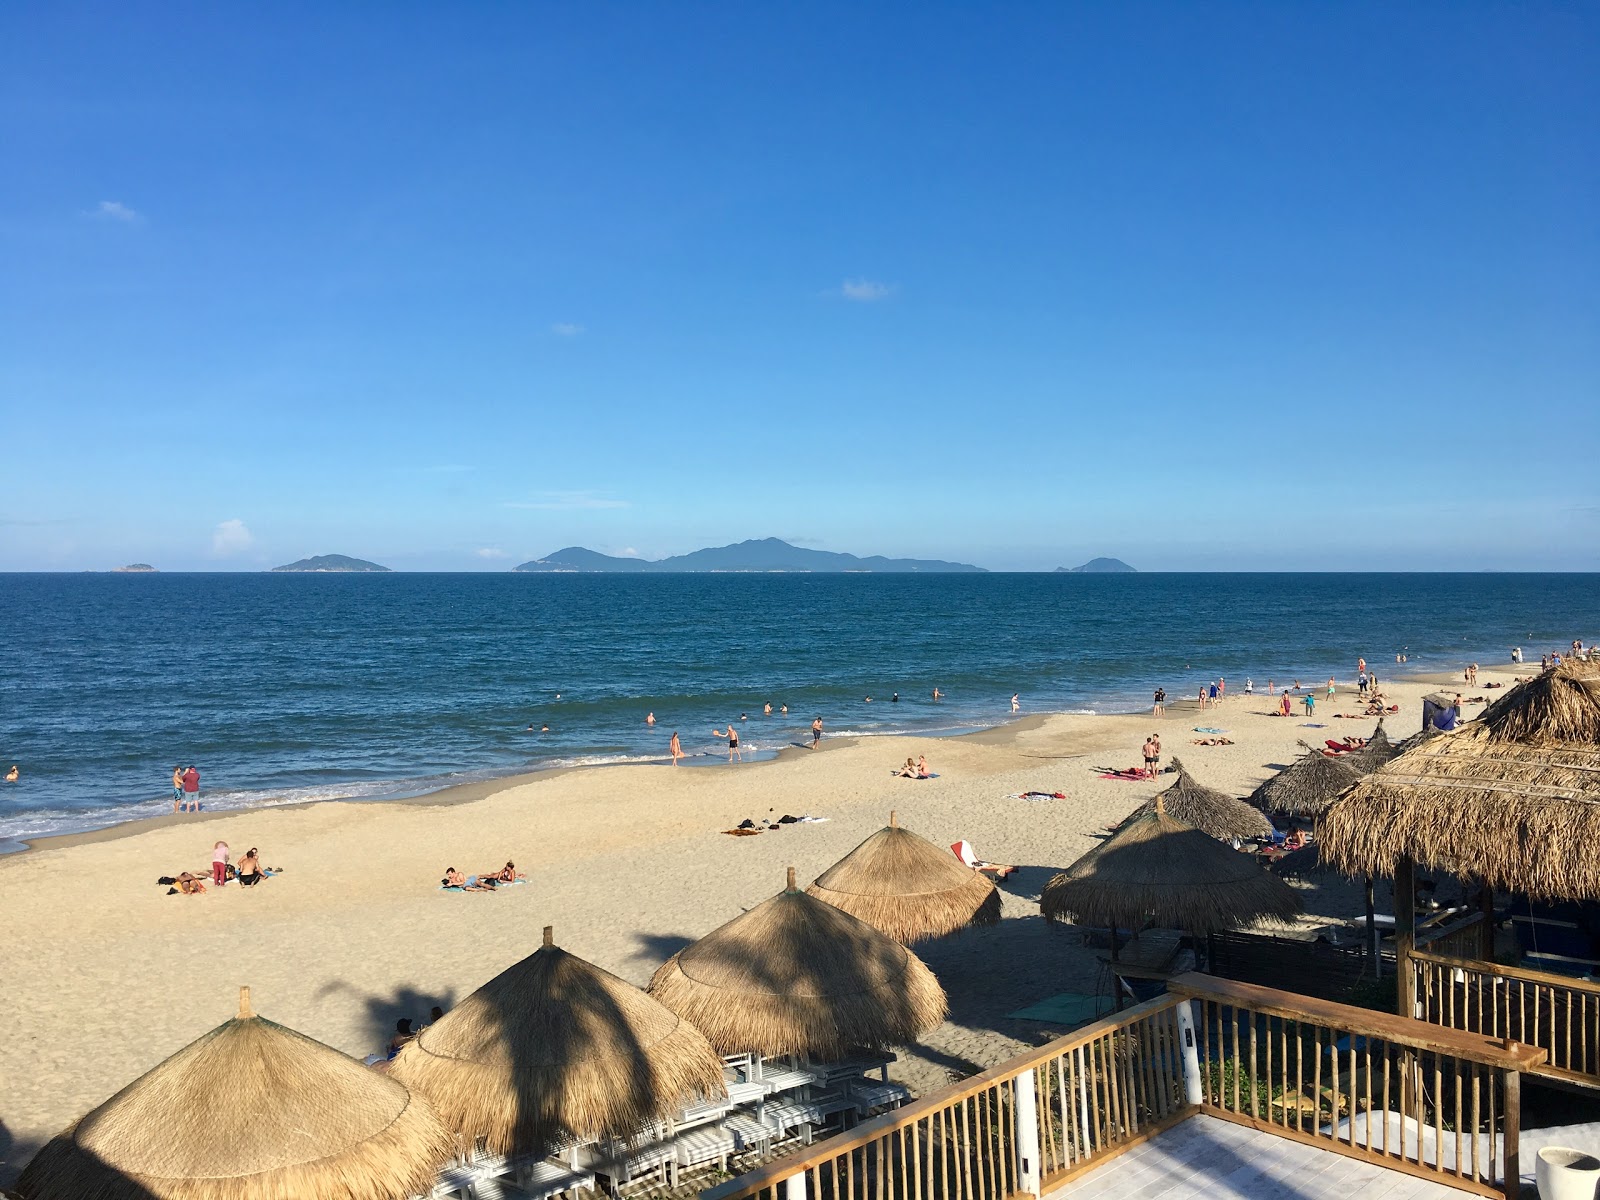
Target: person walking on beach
column 733, row 741
column 1311, row 703
column 219, row 864
column 1330, row 687
column 1284, row 706
column 191, row 788
column 177, row 787
column 675, row 748
column 1202, row 695
column 816, row 732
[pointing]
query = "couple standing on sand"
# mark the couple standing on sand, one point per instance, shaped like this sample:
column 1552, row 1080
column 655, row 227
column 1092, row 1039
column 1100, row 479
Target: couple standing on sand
column 186, row 789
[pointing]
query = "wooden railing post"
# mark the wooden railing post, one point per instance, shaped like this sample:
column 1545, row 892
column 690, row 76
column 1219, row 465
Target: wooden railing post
column 1513, row 1134
column 1027, row 1139
column 1405, row 934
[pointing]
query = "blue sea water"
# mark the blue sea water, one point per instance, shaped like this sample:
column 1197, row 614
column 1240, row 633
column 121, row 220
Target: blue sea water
column 293, row 687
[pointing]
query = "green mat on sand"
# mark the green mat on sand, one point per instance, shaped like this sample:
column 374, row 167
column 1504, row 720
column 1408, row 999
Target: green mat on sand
column 1069, row 1008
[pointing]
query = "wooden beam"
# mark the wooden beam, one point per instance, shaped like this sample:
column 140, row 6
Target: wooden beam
column 1405, row 934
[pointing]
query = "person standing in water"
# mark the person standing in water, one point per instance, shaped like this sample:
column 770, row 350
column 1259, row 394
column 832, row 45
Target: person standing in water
column 937, row 694
column 177, row 788
column 191, row 788
column 733, row 741
column 1016, row 701
column 816, row 732
column 649, row 718
column 675, row 748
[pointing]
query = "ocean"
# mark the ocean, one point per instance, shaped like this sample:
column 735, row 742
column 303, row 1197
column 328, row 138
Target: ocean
column 286, row 688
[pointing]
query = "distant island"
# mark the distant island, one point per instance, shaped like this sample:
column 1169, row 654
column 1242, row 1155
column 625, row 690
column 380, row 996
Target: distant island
column 1099, row 566
column 763, row 554
column 331, row 562
column 132, row 569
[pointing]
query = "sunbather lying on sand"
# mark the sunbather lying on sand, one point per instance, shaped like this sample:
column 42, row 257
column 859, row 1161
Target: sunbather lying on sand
column 467, row 883
column 963, row 850
column 187, row 884
column 506, row 874
column 1212, row 741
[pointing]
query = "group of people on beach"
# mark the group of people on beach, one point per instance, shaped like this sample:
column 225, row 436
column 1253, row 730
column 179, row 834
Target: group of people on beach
column 484, row 881
column 915, row 769
column 247, row 872
column 186, row 788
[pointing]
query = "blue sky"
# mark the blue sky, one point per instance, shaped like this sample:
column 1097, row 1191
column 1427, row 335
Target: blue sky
column 1214, row 286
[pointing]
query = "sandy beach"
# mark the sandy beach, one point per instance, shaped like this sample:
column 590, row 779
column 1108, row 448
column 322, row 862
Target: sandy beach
column 105, row 974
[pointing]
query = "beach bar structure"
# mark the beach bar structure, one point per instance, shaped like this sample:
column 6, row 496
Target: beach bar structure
column 250, row 1111
column 906, row 887
column 1511, row 802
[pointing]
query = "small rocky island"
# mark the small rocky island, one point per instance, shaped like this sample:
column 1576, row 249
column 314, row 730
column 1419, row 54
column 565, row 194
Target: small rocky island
column 325, row 563
column 1099, row 566
column 133, row 569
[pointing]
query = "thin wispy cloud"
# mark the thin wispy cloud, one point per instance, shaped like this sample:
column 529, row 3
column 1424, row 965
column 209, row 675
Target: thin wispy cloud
column 231, row 537
column 565, row 501
column 566, row 329
column 116, row 210
column 865, row 290
column 491, row 552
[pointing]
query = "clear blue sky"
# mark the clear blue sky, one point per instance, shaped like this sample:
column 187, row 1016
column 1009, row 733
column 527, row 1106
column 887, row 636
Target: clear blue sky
column 1203, row 286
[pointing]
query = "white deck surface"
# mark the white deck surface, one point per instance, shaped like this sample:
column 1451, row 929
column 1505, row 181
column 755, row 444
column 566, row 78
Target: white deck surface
column 1204, row 1157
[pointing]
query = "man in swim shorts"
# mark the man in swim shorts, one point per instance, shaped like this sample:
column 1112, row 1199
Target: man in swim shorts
column 816, row 732
column 1149, row 752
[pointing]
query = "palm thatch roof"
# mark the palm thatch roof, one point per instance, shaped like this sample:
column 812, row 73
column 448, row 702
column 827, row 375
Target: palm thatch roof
column 1306, row 786
column 1160, row 869
column 553, row 1048
column 1208, row 810
column 1512, row 798
column 903, row 885
column 795, row 975
column 1378, row 750
column 250, row 1111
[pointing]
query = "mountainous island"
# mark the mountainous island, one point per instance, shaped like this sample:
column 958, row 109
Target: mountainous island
column 761, row 554
column 133, row 569
column 331, row 562
column 1099, row 566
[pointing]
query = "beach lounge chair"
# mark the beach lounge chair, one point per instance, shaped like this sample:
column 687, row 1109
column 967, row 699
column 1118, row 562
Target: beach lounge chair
column 963, row 850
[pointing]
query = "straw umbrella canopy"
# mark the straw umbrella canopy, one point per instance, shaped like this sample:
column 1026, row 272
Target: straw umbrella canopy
column 1162, row 869
column 1208, row 810
column 903, row 885
column 1306, row 786
column 1512, row 798
column 250, row 1111
column 795, row 975
column 555, row 1048
column 1378, row 750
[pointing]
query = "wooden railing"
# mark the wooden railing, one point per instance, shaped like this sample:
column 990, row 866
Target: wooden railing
column 1460, row 938
column 1428, row 1102
column 1554, row 1012
column 1030, row 1123
column 1436, row 1103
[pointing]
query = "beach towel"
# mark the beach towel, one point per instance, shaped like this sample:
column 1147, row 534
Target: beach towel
column 1311, row 725
column 1132, row 774
column 1209, row 729
column 1037, row 796
column 1067, row 1008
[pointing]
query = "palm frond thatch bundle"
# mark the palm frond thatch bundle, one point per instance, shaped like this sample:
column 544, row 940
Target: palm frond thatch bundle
column 554, row 1048
column 905, row 886
column 1512, row 798
column 1378, row 750
column 1208, row 810
column 1306, row 786
column 249, row 1111
column 1161, row 869
column 795, row 975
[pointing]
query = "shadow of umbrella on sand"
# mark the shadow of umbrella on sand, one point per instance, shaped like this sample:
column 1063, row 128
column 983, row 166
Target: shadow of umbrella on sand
column 903, row 885
column 796, row 975
column 250, row 1111
column 554, row 1048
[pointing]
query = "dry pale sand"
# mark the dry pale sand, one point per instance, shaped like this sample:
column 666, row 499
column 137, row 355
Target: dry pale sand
column 105, row 975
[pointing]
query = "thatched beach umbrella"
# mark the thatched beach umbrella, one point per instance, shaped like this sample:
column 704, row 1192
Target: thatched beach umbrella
column 1378, row 750
column 554, row 1047
column 1306, row 786
column 1208, row 810
column 905, row 886
column 1512, row 799
column 1162, row 869
column 250, row 1111
column 795, row 975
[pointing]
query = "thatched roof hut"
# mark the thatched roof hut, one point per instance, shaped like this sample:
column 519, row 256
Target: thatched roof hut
column 1378, row 750
column 250, row 1111
column 795, row 975
column 552, row 1048
column 1208, row 810
column 905, row 886
column 1161, row 869
column 1512, row 798
column 1306, row 786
